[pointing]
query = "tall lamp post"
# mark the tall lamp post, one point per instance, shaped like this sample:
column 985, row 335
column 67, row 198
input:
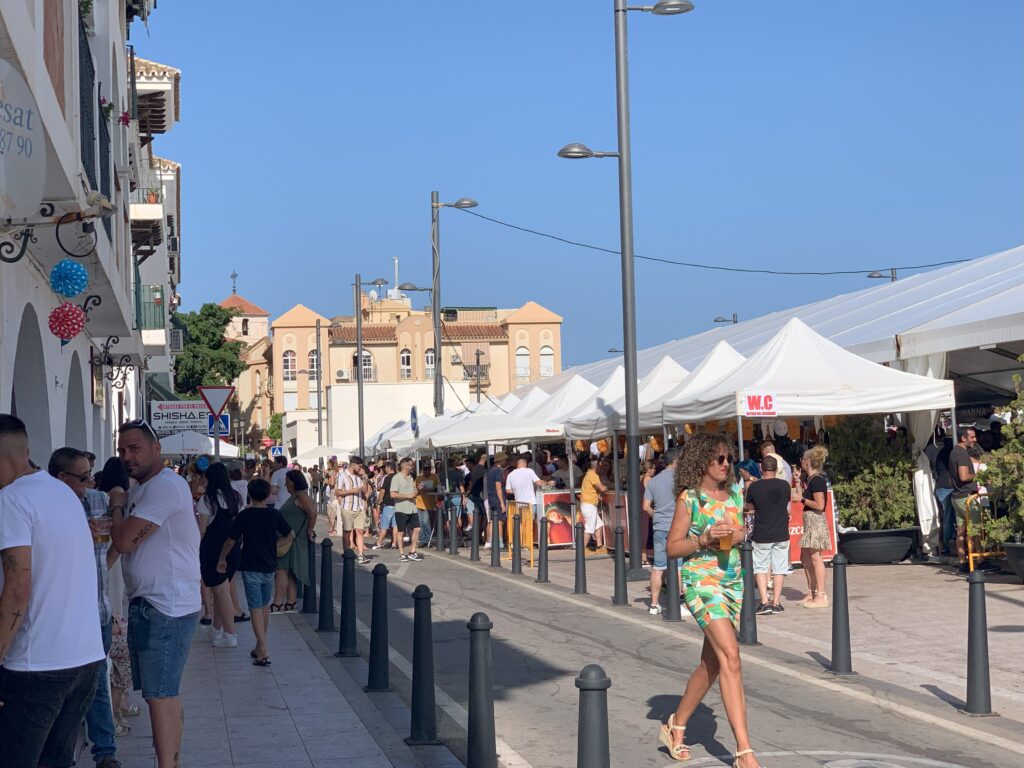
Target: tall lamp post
column 358, row 308
column 435, row 302
column 579, row 152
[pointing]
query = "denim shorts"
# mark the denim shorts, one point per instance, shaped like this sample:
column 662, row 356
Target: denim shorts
column 259, row 588
column 660, row 551
column 773, row 555
column 42, row 714
column 158, row 648
column 387, row 518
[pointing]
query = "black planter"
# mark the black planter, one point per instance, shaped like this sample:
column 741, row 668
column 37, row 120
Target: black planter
column 877, row 547
column 1015, row 558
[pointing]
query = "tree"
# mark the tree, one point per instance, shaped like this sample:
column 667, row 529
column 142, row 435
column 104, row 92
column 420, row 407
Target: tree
column 274, row 427
column 1004, row 476
column 208, row 358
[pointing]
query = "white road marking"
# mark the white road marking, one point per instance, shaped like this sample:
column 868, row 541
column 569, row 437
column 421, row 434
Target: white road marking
column 770, row 664
column 857, row 759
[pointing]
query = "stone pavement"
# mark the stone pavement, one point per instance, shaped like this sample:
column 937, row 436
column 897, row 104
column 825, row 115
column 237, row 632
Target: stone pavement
column 304, row 711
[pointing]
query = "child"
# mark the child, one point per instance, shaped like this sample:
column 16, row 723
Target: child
column 258, row 527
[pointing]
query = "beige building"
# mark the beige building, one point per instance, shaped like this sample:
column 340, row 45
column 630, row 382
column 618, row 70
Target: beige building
column 294, row 365
column 251, row 405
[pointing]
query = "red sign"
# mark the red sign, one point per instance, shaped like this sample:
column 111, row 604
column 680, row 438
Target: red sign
column 758, row 404
column 796, row 529
column 266, row 442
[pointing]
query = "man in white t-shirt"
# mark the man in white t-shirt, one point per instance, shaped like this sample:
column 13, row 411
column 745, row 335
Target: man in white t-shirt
column 158, row 538
column 278, row 488
column 50, row 644
column 522, row 482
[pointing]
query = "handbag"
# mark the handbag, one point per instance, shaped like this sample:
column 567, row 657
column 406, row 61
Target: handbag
column 284, row 545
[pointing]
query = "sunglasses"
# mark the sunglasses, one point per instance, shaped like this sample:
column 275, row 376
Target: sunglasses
column 723, row 459
column 138, row 424
column 84, row 478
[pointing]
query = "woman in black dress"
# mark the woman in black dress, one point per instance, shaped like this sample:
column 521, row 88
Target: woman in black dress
column 218, row 506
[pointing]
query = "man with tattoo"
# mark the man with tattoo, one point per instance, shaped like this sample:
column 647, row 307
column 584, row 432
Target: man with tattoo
column 50, row 646
column 155, row 531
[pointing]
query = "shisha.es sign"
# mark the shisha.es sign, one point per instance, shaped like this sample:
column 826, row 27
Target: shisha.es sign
column 22, row 147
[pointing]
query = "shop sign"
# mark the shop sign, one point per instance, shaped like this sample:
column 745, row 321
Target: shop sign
column 759, row 404
column 22, row 147
column 169, row 417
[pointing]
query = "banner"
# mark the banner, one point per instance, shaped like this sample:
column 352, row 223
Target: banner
column 796, row 529
column 554, row 505
column 168, row 417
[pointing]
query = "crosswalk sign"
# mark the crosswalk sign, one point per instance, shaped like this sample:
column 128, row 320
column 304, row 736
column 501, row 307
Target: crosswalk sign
column 225, row 424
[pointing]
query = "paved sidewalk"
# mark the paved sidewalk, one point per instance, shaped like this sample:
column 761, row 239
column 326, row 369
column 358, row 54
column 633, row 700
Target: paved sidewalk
column 304, row 711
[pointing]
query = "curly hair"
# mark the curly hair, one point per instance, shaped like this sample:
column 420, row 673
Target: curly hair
column 694, row 458
column 816, row 457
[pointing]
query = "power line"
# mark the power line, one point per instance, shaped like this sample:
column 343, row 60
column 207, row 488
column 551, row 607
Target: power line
column 696, row 265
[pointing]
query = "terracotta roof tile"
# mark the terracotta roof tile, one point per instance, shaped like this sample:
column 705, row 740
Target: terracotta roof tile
column 375, row 332
column 244, row 306
column 473, row 331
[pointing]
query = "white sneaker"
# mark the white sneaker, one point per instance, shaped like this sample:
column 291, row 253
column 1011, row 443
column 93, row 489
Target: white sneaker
column 487, row 545
column 655, row 609
column 216, row 634
column 226, row 640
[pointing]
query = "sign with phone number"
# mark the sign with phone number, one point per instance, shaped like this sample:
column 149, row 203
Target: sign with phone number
column 22, row 147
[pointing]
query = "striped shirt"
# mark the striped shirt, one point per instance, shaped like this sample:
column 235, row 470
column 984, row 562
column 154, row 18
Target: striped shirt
column 355, row 502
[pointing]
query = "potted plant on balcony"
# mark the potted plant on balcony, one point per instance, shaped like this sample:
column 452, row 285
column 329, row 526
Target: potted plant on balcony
column 1004, row 479
column 872, row 479
column 152, row 195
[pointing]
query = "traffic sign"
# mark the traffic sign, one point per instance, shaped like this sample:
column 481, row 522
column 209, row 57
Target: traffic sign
column 225, row 424
column 276, row 450
column 216, row 398
column 266, row 442
column 414, row 422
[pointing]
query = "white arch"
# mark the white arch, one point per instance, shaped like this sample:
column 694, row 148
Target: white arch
column 30, row 400
column 75, row 433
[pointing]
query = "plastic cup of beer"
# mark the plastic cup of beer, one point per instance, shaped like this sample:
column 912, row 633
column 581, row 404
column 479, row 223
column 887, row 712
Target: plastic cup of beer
column 101, row 528
column 725, row 542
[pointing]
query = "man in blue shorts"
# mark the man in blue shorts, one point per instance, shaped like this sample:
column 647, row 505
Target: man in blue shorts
column 660, row 504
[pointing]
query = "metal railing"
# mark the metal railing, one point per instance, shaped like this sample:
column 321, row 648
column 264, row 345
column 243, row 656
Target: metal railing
column 105, row 170
column 152, row 308
column 469, row 372
column 150, row 188
column 369, row 373
column 133, row 101
column 87, row 105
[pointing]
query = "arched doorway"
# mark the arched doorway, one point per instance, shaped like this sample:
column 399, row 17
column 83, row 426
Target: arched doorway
column 30, row 400
column 75, row 433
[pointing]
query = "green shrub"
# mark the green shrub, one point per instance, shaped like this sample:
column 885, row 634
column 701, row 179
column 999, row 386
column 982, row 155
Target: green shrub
column 872, row 476
column 1003, row 476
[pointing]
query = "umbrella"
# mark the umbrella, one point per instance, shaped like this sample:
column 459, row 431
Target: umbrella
column 192, row 443
column 321, row 452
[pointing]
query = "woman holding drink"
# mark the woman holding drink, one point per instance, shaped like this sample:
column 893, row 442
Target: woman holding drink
column 706, row 533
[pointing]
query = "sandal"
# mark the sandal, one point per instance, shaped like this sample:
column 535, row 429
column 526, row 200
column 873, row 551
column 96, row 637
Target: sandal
column 289, row 608
column 276, row 607
column 132, row 711
column 680, row 751
column 242, row 617
column 264, row 662
column 805, row 599
column 252, row 653
column 738, row 755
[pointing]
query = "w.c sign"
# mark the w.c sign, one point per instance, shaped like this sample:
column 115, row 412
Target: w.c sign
column 757, row 404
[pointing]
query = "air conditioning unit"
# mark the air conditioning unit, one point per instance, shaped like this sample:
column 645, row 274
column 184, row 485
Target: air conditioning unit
column 176, row 341
column 341, row 374
column 173, row 245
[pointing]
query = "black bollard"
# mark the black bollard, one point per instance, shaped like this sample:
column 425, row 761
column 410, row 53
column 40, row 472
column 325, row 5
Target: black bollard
column 748, row 612
column 309, row 590
column 378, row 678
column 480, row 739
column 347, row 636
column 326, row 619
column 841, row 661
column 542, row 555
column 439, row 530
column 453, row 530
column 517, row 553
column 580, row 587
column 423, row 720
column 672, row 611
column 592, row 733
column 495, row 541
column 979, row 691
column 619, row 596
column 474, row 535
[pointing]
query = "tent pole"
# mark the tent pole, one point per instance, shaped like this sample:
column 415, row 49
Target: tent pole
column 952, row 413
column 664, row 437
column 739, row 433
column 570, row 454
column 615, row 476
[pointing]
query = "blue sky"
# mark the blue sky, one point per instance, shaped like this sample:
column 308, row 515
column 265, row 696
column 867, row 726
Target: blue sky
column 794, row 135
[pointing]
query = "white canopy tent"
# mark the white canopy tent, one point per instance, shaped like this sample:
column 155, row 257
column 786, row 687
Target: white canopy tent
column 191, row 443
column 313, row 455
column 606, row 419
column 532, row 400
column 566, row 399
column 721, row 361
column 801, row 373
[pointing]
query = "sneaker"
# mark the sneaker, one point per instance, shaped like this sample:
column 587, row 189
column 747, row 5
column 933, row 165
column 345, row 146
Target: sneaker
column 415, row 556
column 777, row 608
column 216, row 634
column 226, row 641
column 655, row 609
column 763, row 609
column 362, row 559
column 487, row 545
column 377, row 546
column 402, row 558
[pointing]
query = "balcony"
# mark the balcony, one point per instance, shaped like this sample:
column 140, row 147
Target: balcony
column 152, row 309
column 150, row 189
column 105, row 170
column 87, row 105
column 369, row 373
column 470, row 372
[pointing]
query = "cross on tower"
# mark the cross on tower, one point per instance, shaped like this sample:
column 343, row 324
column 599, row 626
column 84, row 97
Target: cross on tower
column 234, row 281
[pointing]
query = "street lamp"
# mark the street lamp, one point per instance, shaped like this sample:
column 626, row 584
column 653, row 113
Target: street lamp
column 614, row 351
column 881, row 276
column 580, row 152
column 435, row 300
column 732, row 320
column 358, row 309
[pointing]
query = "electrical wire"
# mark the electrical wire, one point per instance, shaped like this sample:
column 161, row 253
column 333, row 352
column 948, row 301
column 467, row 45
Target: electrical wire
column 697, row 265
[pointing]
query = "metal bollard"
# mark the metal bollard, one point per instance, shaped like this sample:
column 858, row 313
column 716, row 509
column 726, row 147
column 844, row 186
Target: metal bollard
column 517, row 554
column 309, row 590
column 580, row 587
column 748, row 612
column 672, row 611
column 841, row 661
column 423, row 720
column 347, row 635
column 439, row 530
column 979, row 692
column 453, row 530
column 619, row 597
column 378, row 678
column 326, row 618
column 480, row 739
column 474, row 535
column 592, row 733
column 542, row 555
column 495, row 541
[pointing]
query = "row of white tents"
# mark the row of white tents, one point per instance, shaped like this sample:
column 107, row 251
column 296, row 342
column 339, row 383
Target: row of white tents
column 797, row 373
